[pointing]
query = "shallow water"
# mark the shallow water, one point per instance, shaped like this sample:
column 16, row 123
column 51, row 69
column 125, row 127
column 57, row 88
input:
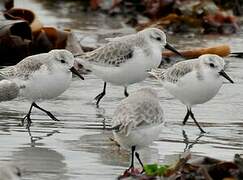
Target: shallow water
column 78, row 147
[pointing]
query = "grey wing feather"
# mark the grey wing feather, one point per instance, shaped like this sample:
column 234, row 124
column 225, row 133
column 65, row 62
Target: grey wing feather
column 122, row 118
column 143, row 113
column 177, row 71
column 113, row 54
column 21, row 70
column 7, row 72
column 174, row 73
column 158, row 73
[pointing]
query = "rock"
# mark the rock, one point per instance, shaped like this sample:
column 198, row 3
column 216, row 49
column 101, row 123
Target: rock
column 72, row 44
column 15, row 41
column 89, row 43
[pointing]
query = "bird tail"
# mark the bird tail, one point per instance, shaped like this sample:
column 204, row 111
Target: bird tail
column 158, row 73
column 7, row 72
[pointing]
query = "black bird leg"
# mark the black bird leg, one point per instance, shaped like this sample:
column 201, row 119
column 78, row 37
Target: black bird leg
column 132, row 160
column 125, row 92
column 187, row 116
column 100, row 96
column 194, row 119
column 47, row 112
column 27, row 117
column 139, row 160
column 189, row 113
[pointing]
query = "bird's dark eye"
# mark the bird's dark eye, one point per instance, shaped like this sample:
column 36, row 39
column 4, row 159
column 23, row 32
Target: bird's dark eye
column 211, row 65
column 158, row 39
column 19, row 174
column 62, row 61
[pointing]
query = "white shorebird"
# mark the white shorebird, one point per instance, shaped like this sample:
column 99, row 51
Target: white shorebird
column 125, row 60
column 138, row 120
column 193, row 81
column 9, row 172
column 8, row 90
column 42, row 76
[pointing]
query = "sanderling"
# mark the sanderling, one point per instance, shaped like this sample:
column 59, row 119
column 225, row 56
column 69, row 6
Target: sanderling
column 124, row 60
column 9, row 172
column 194, row 81
column 8, row 90
column 42, row 76
column 138, row 120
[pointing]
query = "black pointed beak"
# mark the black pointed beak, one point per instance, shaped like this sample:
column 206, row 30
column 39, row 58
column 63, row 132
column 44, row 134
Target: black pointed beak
column 169, row 47
column 74, row 71
column 222, row 73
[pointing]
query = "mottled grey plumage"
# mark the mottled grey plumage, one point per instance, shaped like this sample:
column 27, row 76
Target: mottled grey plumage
column 177, row 71
column 118, row 51
column 25, row 68
column 140, row 109
column 31, row 64
column 40, row 77
column 8, row 90
column 124, row 60
column 193, row 81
